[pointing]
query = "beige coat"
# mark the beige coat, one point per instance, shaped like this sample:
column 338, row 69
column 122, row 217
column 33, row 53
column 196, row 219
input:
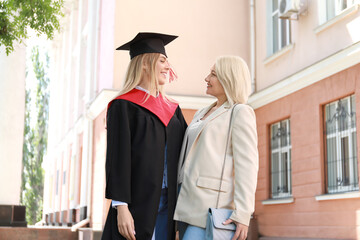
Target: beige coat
column 201, row 172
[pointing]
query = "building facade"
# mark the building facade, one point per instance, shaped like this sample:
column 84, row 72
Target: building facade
column 305, row 71
column 307, row 109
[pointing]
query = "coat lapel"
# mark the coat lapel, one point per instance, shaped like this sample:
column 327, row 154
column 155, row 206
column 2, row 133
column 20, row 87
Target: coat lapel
column 224, row 108
column 218, row 112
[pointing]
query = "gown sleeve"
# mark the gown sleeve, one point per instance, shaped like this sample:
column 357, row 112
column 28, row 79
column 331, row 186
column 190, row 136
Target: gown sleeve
column 118, row 153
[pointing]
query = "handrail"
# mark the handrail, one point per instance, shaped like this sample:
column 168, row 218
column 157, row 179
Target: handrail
column 80, row 224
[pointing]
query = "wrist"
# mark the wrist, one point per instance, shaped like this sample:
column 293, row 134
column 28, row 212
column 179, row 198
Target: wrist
column 121, row 206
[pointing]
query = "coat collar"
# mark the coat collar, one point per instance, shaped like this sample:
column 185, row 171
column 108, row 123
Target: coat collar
column 218, row 112
column 222, row 109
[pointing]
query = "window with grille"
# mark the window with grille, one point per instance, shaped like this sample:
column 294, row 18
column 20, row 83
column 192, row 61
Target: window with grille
column 341, row 149
column 335, row 7
column 279, row 34
column 280, row 159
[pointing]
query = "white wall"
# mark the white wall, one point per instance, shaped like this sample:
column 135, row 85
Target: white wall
column 309, row 44
column 12, row 112
column 206, row 30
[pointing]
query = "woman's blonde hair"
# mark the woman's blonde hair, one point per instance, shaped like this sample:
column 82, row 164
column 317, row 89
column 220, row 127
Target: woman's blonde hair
column 233, row 74
column 136, row 72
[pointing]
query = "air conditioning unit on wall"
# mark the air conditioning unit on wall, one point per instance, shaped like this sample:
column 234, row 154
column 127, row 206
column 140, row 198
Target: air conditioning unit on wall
column 289, row 7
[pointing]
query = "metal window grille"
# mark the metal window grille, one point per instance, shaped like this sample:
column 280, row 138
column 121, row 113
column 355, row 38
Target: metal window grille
column 341, row 148
column 280, row 159
column 280, row 28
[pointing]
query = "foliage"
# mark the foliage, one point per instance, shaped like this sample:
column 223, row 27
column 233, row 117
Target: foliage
column 17, row 15
column 35, row 142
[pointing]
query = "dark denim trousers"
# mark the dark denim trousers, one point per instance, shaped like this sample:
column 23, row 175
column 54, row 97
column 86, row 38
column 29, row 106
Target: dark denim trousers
column 161, row 226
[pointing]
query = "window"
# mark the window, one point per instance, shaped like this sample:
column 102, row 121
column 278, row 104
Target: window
column 335, row 7
column 280, row 159
column 64, row 177
column 57, row 182
column 278, row 29
column 341, row 149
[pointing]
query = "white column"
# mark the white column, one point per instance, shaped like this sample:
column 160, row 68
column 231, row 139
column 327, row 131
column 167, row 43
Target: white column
column 62, row 87
column 86, row 163
column 77, row 80
column 73, row 172
column 68, row 75
column 86, row 174
column 78, row 170
column 93, row 37
column 91, row 48
column 53, row 127
column 12, row 115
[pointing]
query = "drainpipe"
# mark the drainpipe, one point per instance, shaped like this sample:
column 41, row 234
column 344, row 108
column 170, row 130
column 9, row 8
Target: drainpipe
column 252, row 46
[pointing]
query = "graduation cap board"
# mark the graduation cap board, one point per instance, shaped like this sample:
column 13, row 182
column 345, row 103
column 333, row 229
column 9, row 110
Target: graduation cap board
column 147, row 42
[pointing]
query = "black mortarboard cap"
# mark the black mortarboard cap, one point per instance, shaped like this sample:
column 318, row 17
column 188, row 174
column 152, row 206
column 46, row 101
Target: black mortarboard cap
column 147, row 42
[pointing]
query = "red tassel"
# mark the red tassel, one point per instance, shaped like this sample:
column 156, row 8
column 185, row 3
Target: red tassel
column 172, row 74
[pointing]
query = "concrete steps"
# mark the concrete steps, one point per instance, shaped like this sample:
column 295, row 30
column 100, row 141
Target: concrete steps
column 42, row 233
column 48, row 233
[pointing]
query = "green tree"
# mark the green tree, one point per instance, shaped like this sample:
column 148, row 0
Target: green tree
column 16, row 16
column 35, row 142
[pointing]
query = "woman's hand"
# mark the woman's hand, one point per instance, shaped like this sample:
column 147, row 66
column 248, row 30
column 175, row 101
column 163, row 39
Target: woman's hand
column 125, row 222
column 241, row 230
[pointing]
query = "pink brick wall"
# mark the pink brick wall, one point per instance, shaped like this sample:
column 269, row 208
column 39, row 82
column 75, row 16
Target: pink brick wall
column 306, row 217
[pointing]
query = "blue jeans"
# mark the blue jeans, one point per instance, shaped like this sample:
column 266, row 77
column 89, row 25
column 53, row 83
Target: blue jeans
column 190, row 232
column 160, row 231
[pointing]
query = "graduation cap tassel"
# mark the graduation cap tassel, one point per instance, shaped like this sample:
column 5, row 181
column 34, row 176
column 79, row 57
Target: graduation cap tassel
column 172, row 74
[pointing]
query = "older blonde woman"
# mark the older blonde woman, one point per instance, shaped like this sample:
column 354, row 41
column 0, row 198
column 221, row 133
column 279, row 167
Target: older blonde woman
column 203, row 150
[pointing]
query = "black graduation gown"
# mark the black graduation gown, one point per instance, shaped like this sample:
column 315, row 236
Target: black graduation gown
column 136, row 140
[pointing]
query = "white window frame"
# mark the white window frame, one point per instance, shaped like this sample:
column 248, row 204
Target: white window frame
column 270, row 31
column 281, row 150
column 337, row 7
column 339, row 135
column 324, row 5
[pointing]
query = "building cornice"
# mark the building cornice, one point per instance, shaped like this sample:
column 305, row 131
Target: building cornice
column 100, row 102
column 192, row 102
column 310, row 75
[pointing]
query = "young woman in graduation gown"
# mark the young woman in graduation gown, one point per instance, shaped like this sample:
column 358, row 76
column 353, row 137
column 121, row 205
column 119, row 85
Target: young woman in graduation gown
column 144, row 135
